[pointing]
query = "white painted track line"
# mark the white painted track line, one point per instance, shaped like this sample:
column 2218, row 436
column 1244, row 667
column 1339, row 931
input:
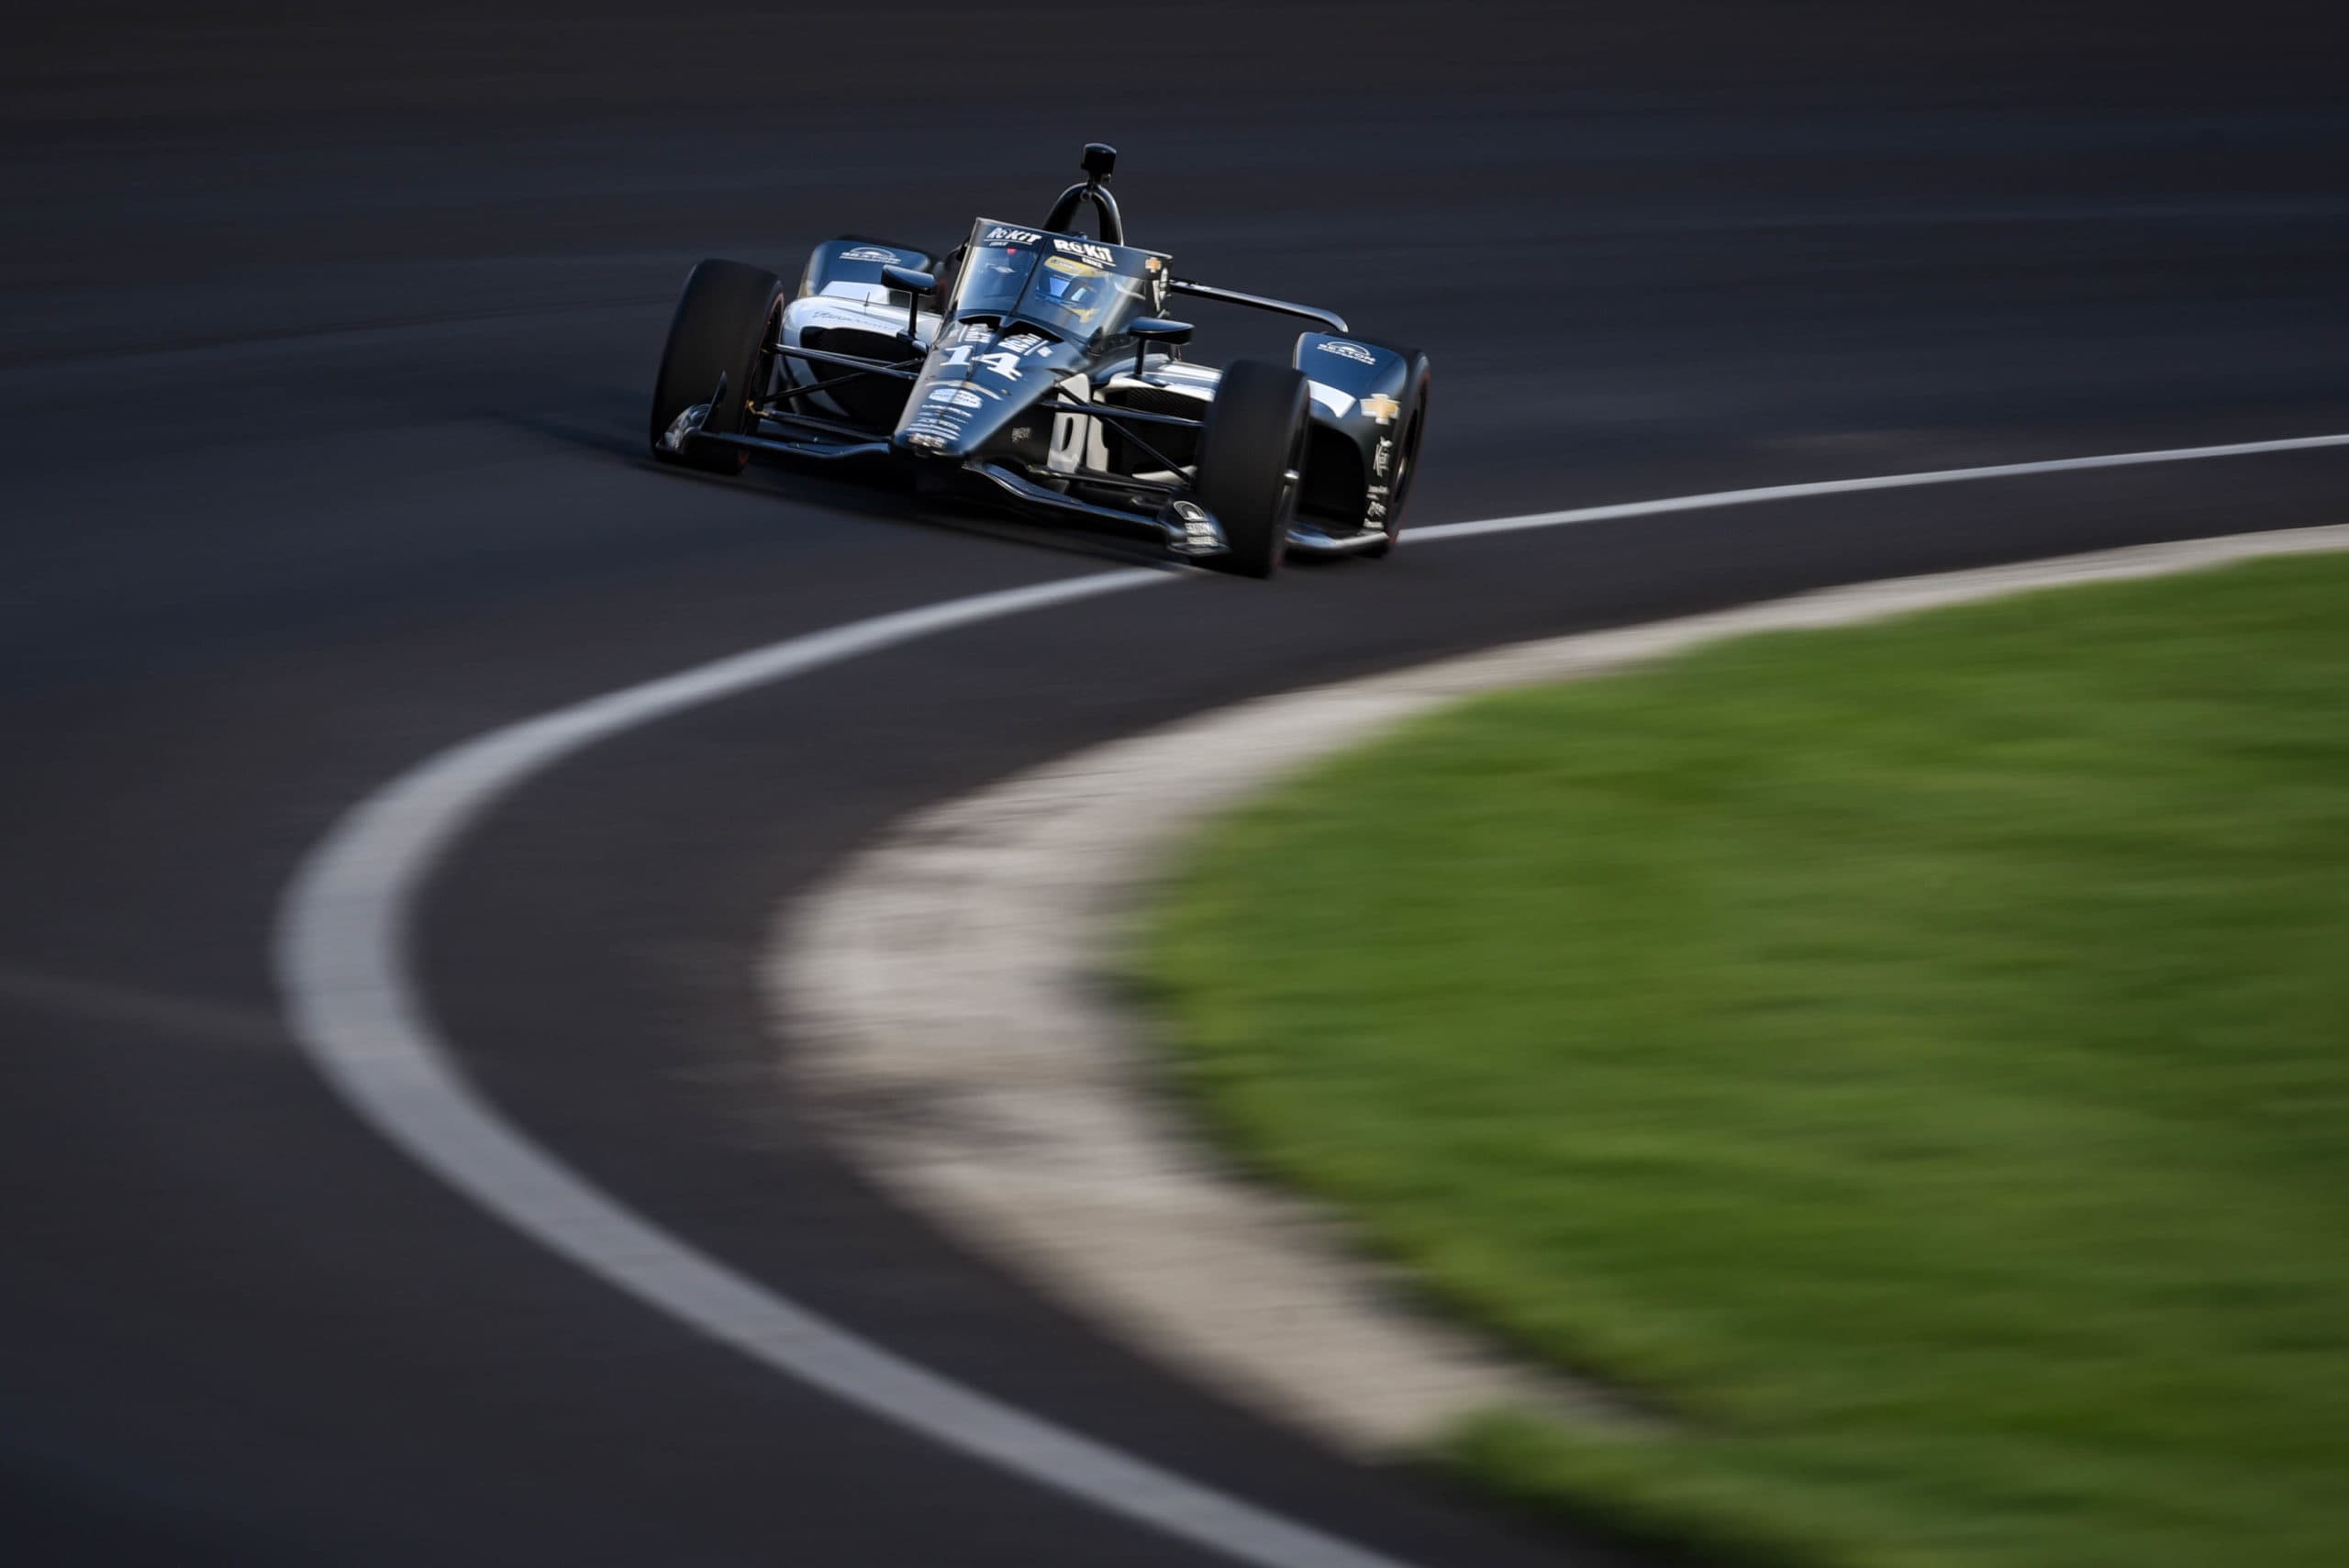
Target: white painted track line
column 1852, row 486
column 340, row 955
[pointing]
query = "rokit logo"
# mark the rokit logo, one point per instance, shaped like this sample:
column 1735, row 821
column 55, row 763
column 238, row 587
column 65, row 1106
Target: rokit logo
column 999, row 235
column 1100, row 255
column 1354, row 351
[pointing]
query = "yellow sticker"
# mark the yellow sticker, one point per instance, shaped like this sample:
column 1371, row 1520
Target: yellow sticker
column 1381, row 407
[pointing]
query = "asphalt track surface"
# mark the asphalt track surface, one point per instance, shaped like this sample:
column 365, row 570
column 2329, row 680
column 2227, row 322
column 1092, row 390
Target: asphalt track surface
column 322, row 378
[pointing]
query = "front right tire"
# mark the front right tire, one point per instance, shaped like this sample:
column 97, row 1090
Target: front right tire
column 725, row 326
column 1251, row 454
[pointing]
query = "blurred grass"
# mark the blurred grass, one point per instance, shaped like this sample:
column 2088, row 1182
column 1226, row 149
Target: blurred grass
column 1913, row 1055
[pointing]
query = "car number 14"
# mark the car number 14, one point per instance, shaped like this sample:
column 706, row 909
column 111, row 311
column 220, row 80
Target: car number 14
column 1002, row 365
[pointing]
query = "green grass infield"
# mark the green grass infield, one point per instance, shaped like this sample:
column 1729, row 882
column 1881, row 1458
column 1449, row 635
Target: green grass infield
column 1912, row 1059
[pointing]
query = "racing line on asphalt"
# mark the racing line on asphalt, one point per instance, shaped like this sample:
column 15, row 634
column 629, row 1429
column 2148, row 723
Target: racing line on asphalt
column 340, row 958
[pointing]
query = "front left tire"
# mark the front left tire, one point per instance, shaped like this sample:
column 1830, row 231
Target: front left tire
column 1251, row 456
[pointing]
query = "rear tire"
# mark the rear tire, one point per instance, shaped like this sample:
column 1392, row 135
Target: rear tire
column 1412, row 423
column 1249, row 457
column 725, row 326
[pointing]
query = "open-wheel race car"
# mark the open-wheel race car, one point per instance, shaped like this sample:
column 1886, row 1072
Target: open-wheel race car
column 1035, row 365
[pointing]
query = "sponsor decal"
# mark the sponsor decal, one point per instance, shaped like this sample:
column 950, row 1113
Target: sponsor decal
column 869, row 253
column 1024, row 343
column 1381, row 407
column 831, row 315
column 1385, row 457
column 1100, row 255
column 1354, row 351
column 943, row 419
column 1003, row 235
column 1021, row 432
column 1340, row 404
column 971, row 332
column 1376, row 516
column 924, row 439
column 959, row 396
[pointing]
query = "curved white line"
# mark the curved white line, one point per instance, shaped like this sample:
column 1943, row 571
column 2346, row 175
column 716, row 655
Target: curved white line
column 341, row 961
column 1876, row 482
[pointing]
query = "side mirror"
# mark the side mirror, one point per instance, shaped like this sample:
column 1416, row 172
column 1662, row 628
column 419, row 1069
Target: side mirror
column 916, row 284
column 1149, row 330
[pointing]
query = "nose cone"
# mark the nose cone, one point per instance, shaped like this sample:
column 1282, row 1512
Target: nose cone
column 953, row 419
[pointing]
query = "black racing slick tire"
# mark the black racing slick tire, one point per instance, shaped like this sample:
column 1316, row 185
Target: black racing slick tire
column 1411, row 421
column 724, row 326
column 1251, row 455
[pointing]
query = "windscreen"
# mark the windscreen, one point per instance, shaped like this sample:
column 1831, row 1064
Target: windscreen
column 1081, row 290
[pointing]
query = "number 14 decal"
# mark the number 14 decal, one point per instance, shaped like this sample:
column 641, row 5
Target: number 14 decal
column 1002, row 365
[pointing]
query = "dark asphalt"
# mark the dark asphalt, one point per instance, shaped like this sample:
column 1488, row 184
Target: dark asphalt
column 321, row 384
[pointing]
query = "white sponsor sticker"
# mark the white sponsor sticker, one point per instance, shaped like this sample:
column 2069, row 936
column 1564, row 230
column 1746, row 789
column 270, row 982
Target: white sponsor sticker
column 959, row 396
column 1000, row 235
column 869, row 253
column 1339, row 403
column 1100, row 255
column 1385, row 457
column 1354, row 351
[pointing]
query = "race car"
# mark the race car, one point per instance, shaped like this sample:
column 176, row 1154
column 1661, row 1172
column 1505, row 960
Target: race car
column 1035, row 365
